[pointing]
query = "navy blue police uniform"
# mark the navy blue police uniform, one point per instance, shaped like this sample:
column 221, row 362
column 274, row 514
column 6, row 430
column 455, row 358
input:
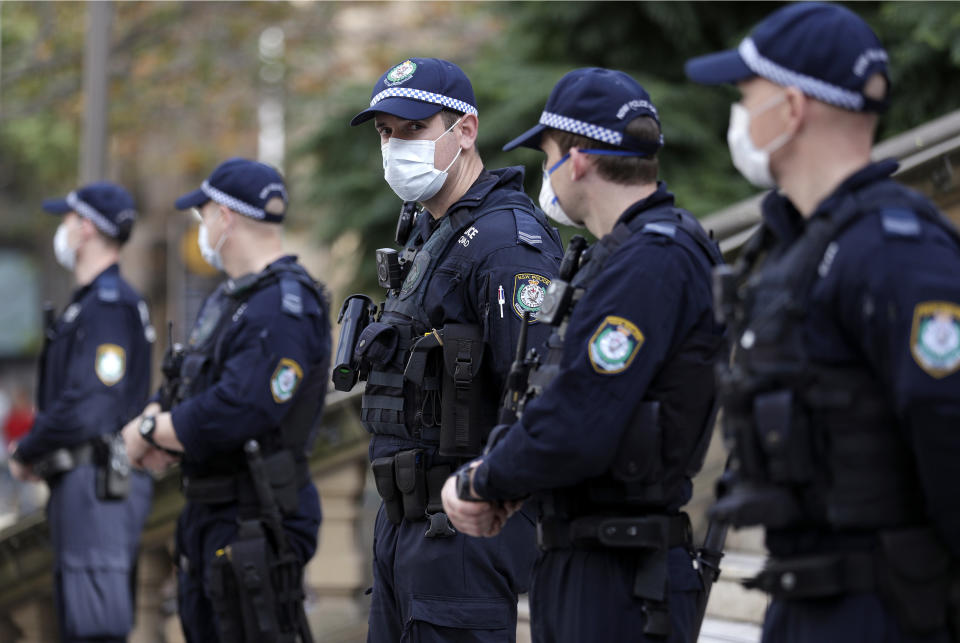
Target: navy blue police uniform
column 843, row 400
column 255, row 368
column 619, row 411
column 94, row 377
column 626, row 354
column 437, row 358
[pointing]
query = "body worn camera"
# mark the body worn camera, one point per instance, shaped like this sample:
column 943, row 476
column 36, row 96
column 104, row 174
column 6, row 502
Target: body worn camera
column 356, row 313
column 389, row 269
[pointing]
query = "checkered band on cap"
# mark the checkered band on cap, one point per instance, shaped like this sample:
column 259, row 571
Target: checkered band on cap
column 425, row 96
column 274, row 187
column 231, row 202
column 572, row 125
column 809, row 85
column 87, row 211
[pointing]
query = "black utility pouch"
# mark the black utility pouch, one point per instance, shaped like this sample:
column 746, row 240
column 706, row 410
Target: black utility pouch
column 463, row 415
column 385, row 480
column 112, row 467
column 225, row 598
column 281, row 469
column 411, row 482
column 250, row 558
column 914, row 578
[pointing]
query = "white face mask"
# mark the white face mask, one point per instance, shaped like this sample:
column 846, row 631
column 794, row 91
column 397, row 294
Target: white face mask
column 753, row 163
column 210, row 254
column 548, row 198
column 409, row 169
column 66, row 255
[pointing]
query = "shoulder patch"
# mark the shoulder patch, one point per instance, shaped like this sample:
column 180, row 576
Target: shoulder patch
column 614, row 345
column 285, row 380
column 529, row 230
column 935, row 337
column 528, row 291
column 898, row 222
column 110, row 363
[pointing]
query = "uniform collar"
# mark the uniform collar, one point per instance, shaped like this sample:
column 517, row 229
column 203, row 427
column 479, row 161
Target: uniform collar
column 109, row 274
column 870, row 173
column 510, row 177
column 662, row 197
column 785, row 221
column 487, row 181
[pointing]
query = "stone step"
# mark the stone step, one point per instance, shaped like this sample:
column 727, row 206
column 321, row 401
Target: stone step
column 729, row 600
column 716, row 630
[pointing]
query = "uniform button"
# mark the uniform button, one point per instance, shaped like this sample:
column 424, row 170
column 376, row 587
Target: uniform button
column 748, row 339
column 788, row 581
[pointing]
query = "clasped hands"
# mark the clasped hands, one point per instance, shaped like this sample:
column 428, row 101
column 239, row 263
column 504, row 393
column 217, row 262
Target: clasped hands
column 475, row 517
column 141, row 453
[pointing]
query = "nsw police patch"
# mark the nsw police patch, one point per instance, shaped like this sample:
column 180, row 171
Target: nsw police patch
column 935, row 337
column 528, row 292
column 110, row 363
column 403, row 71
column 614, row 345
column 285, row 380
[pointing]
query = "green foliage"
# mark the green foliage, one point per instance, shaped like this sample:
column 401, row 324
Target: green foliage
column 650, row 40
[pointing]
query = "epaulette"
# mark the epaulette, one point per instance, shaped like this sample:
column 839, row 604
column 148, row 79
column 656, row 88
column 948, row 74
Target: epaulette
column 898, row 222
column 529, row 230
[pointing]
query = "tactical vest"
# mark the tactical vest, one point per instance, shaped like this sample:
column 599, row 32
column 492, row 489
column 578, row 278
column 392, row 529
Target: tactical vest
column 206, row 354
column 421, row 379
column 813, row 444
column 667, row 437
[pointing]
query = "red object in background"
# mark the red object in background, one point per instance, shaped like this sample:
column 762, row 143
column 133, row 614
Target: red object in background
column 18, row 423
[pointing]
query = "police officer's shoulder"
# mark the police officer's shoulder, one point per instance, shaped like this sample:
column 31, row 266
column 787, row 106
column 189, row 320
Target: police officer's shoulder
column 290, row 293
column 653, row 253
column 508, row 227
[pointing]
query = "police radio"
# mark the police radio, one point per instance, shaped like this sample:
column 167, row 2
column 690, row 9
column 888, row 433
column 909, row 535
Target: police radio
column 559, row 295
column 355, row 314
column 408, row 216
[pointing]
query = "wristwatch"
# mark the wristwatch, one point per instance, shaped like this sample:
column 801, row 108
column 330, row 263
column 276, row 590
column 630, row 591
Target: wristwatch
column 463, row 485
column 147, row 426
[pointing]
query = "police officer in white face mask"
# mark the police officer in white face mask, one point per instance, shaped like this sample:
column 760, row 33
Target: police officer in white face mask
column 94, row 375
column 842, row 402
column 479, row 256
column 254, row 368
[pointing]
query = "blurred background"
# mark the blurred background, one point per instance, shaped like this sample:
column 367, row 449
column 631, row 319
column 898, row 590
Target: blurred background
column 153, row 95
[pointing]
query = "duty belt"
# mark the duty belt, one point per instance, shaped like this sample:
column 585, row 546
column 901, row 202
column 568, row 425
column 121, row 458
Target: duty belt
column 63, row 460
column 410, row 490
column 239, row 489
column 817, row 576
column 617, row 532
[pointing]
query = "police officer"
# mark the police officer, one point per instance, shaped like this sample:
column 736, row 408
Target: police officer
column 254, row 370
column 622, row 405
column 478, row 257
column 94, row 376
column 844, row 398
